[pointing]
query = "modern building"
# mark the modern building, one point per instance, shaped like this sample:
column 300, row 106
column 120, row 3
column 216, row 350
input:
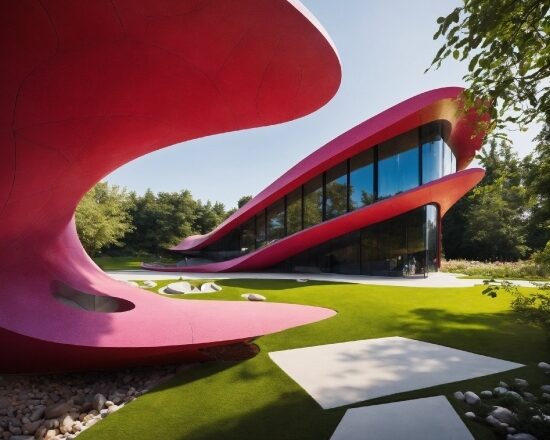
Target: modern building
column 369, row 202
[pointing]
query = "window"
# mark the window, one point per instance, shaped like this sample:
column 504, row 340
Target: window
column 449, row 161
column 248, row 236
column 336, row 191
column 313, row 202
column 276, row 220
column 432, row 152
column 398, row 164
column 294, row 211
column 361, row 185
column 260, row 230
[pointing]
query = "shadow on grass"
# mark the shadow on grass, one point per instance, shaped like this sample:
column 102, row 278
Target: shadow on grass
column 499, row 335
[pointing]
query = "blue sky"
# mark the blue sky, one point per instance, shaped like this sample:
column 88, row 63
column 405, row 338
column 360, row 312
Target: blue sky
column 384, row 47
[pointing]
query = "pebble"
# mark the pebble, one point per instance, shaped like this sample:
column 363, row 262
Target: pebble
column 470, row 415
column 503, row 384
column 504, row 415
column 530, row 397
column 545, row 388
column 57, row 410
column 486, row 394
column 513, row 395
column 59, row 407
column 459, row 395
column 98, row 401
column 520, row 436
column 544, row 366
column 498, row 391
column 522, row 383
column 471, row 398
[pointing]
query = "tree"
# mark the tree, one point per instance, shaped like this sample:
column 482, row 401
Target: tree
column 489, row 223
column 243, row 201
column 103, row 218
column 508, row 47
column 537, row 182
column 208, row 216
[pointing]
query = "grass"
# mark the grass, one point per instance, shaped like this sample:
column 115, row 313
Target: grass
column 126, row 263
column 254, row 399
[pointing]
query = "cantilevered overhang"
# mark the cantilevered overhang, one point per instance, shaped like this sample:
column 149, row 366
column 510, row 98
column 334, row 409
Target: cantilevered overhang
column 440, row 104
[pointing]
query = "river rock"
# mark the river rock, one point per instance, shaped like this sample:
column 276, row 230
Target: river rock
column 545, row 388
column 513, row 395
column 499, row 391
column 57, row 409
column 253, row 297
column 544, row 365
column 520, row 436
column 38, row 413
column 459, row 395
column 66, row 424
column 98, row 401
column 471, row 398
column 521, row 383
column 504, row 415
column 470, row 415
column 486, row 394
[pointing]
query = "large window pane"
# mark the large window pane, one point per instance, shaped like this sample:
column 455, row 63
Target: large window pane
column 336, row 191
column 345, row 254
column 398, row 164
column 313, row 202
column 248, row 236
column 432, row 236
column 294, row 211
column 260, row 230
column 432, row 152
column 276, row 220
column 361, row 188
column 449, row 161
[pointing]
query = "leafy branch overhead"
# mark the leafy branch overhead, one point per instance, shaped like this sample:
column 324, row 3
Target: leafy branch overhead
column 508, row 48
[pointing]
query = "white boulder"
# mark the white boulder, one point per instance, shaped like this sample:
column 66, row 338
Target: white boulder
column 253, row 297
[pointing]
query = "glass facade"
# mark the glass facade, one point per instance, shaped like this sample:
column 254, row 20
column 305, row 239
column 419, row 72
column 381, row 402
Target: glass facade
column 313, row 202
column 398, row 164
column 276, row 221
column 402, row 246
column 361, row 180
column 416, row 157
column 336, row 191
column 294, row 211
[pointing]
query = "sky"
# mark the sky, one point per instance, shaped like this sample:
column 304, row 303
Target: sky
column 384, row 48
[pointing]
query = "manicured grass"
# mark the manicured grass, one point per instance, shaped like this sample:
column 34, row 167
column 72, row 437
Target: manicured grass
column 254, row 399
column 118, row 263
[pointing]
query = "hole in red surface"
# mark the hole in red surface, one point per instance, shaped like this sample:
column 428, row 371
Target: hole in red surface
column 89, row 302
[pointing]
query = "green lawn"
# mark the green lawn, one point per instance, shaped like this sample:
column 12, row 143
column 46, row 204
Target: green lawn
column 127, row 263
column 254, row 399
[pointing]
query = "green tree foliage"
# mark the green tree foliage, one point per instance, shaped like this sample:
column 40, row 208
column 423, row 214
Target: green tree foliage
column 243, row 201
column 103, row 217
column 536, row 168
column 208, row 216
column 489, row 223
column 508, row 48
column 532, row 309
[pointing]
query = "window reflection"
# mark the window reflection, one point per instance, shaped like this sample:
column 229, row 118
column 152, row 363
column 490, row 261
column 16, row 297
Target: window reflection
column 361, row 187
column 398, row 164
column 313, row 202
column 294, row 211
column 432, row 152
column 248, row 236
column 336, row 191
column 276, row 221
column 260, row 230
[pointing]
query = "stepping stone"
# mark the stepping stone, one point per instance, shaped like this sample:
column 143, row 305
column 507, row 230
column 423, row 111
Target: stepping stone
column 431, row 418
column 350, row 372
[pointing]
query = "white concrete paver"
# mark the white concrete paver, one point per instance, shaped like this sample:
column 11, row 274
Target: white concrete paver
column 431, row 418
column 436, row 279
column 350, row 372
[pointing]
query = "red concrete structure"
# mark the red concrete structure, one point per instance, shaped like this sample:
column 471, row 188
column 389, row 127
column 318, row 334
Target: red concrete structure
column 436, row 105
column 86, row 87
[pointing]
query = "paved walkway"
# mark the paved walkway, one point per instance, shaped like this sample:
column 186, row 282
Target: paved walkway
column 436, row 279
